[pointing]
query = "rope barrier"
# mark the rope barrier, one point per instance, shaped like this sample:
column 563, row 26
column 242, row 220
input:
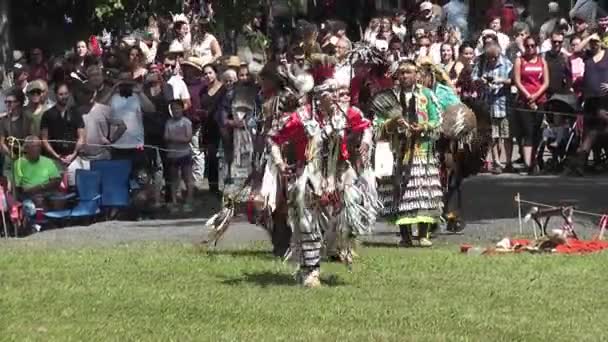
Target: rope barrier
column 572, row 115
column 142, row 146
column 544, row 205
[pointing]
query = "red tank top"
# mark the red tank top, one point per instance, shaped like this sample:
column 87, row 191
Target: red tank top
column 532, row 76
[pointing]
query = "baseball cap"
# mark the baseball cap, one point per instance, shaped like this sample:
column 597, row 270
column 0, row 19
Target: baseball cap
column 19, row 68
column 36, row 85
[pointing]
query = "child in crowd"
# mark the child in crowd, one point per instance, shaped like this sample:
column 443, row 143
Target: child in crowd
column 178, row 134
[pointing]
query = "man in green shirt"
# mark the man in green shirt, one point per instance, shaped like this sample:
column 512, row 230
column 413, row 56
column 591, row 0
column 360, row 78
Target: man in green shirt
column 36, row 176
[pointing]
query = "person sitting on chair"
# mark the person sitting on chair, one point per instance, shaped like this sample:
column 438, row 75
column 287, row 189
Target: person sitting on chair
column 36, row 176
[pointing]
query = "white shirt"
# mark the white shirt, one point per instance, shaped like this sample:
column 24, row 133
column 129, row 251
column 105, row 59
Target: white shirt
column 203, row 48
column 129, row 111
column 180, row 90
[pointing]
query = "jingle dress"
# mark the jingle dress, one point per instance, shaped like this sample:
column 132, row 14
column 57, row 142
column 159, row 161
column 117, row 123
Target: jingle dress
column 413, row 194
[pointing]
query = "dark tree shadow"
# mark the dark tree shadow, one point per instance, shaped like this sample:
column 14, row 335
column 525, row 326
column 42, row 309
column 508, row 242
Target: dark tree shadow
column 265, row 279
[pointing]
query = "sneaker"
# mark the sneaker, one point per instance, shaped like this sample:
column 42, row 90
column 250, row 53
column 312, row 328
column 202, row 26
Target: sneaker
column 311, row 279
column 424, row 242
column 187, row 208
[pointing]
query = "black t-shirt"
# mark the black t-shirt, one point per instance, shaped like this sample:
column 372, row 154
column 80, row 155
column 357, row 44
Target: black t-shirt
column 62, row 126
column 560, row 74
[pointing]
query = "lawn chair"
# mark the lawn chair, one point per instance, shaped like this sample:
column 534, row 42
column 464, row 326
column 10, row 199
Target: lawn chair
column 88, row 187
column 115, row 186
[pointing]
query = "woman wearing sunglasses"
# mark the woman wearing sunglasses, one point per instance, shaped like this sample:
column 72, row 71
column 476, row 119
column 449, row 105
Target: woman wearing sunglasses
column 531, row 75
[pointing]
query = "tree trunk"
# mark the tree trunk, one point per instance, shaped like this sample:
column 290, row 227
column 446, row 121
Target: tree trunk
column 5, row 34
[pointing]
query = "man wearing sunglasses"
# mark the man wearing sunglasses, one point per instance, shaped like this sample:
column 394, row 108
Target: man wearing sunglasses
column 36, row 92
column 15, row 125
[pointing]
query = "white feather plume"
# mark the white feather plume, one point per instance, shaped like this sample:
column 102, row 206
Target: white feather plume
column 304, row 83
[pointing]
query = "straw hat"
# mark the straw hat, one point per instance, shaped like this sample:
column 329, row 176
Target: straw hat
column 233, row 62
column 176, row 47
column 194, row 62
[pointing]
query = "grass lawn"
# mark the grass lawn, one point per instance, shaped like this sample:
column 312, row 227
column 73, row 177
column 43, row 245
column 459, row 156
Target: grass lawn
column 182, row 293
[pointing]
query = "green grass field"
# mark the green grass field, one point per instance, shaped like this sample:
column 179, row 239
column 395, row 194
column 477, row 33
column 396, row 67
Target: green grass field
column 183, row 293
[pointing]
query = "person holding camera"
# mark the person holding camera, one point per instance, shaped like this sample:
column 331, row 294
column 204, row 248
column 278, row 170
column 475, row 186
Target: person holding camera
column 493, row 74
column 128, row 104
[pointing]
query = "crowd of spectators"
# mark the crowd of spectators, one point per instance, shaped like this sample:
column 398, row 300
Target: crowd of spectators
column 170, row 86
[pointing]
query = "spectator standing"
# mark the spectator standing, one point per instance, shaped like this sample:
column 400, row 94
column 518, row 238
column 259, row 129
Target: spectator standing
column 149, row 48
column 596, row 106
column 398, row 25
column 38, row 67
column 494, row 30
column 456, row 13
column 204, row 44
column 531, row 75
column 21, row 74
column 577, row 65
column 135, row 64
column 128, row 104
column 426, row 20
column 505, row 11
column 177, row 89
column 551, row 24
column 560, row 83
column 448, row 61
column 101, row 130
column 181, row 31
column 96, row 79
column 62, row 128
column 81, row 51
column 178, row 135
column 516, row 47
column 560, row 73
column 581, row 27
column 494, row 73
column 193, row 77
column 36, row 104
column 210, row 102
column 14, row 126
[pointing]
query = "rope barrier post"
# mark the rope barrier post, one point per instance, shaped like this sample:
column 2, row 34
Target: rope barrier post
column 518, row 200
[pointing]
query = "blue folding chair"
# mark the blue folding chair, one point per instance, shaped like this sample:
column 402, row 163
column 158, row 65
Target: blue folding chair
column 88, row 187
column 114, row 182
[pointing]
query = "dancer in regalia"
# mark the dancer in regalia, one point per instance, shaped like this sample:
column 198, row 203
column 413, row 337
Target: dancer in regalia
column 327, row 196
column 410, row 123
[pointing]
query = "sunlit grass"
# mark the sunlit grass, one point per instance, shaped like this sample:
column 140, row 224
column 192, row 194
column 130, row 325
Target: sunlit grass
column 182, row 293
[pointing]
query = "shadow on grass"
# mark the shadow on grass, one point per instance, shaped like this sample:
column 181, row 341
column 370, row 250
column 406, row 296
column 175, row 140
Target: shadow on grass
column 265, row 279
column 377, row 244
column 204, row 250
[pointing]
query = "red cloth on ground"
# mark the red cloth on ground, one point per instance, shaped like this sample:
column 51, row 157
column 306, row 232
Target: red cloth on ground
column 582, row 247
column 574, row 246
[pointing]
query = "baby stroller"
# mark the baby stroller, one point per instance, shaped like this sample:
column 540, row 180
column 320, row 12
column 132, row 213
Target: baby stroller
column 561, row 132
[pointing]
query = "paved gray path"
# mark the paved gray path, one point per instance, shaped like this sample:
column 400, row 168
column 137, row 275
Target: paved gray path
column 489, row 208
